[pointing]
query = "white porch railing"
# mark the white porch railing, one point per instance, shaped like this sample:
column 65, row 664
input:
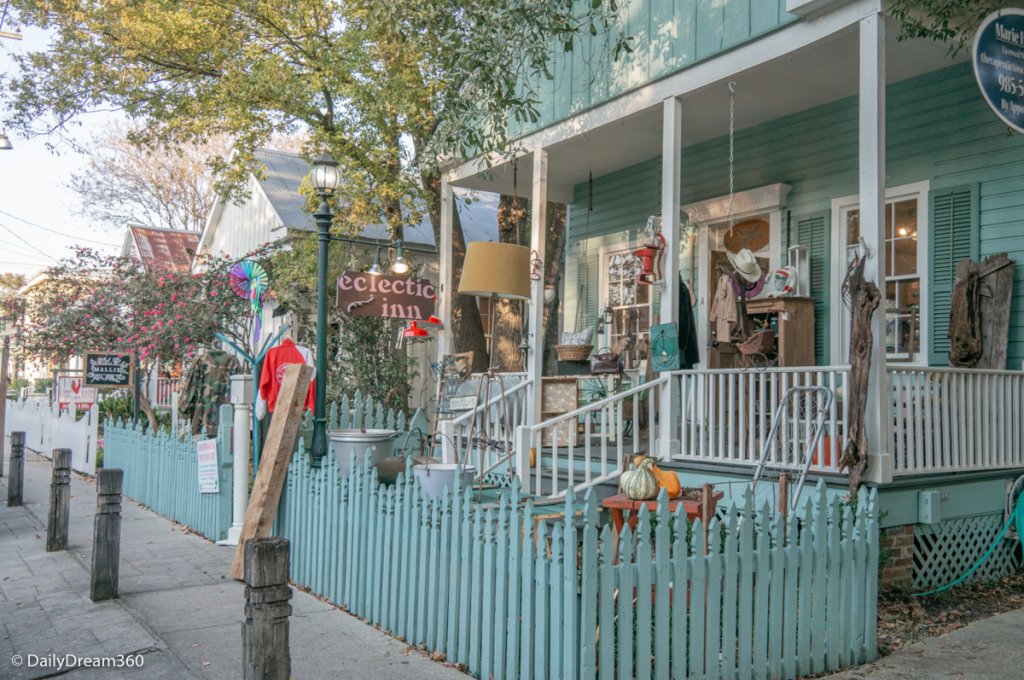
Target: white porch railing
column 587, row 446
column 165, row 389
column 487, row 420
column 954, row 420
column 726, row 416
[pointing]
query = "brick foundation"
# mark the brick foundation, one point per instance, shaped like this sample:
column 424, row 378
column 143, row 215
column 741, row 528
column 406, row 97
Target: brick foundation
column 897, row 543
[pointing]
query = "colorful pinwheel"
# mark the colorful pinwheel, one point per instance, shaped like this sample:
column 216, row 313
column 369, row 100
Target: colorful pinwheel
column 249, row 280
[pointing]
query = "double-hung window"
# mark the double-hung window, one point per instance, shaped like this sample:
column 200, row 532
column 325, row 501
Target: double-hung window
column 905, row 254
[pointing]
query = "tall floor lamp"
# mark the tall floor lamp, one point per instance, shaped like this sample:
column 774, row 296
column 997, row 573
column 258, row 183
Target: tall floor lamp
column 494, row 270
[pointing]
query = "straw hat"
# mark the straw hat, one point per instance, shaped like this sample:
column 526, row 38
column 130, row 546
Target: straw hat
column 745, row 265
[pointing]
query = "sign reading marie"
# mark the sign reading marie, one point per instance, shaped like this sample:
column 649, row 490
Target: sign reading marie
column 387, row 297
column 998, row 58
column 108, row 369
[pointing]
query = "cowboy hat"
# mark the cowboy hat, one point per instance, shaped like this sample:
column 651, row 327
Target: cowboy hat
column 745, row 265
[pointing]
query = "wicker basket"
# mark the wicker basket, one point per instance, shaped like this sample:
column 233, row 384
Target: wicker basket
column 761, row 342
column 573, row 352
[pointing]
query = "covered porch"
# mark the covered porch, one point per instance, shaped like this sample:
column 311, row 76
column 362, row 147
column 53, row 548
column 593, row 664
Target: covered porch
column 922, row 420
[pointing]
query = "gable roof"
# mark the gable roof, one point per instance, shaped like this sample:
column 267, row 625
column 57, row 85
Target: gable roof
column 285, row 172
column 174, row 248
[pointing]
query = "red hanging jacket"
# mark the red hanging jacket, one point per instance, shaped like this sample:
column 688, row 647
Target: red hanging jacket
column 274, row 363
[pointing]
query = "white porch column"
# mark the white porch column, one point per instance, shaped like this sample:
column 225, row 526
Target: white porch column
column 446, row 290
column 872, row 229
column 538, row 232
column 671, row 162
column 241, row 400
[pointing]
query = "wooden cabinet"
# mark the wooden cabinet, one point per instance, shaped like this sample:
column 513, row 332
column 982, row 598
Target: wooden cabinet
column 793, row 321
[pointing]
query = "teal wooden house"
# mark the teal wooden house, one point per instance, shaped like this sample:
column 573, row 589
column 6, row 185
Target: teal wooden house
column 836, row 140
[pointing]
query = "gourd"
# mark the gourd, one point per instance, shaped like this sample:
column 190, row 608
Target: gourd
column 641, row 485
column 666, row 480
column 623, row 478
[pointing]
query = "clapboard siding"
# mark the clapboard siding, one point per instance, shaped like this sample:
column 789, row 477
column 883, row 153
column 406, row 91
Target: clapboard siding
column 667, row 36
column 938, row 129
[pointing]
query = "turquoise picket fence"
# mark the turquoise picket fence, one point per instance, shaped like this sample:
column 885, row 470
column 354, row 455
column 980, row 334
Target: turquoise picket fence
column 504, row 596
column 162, row 473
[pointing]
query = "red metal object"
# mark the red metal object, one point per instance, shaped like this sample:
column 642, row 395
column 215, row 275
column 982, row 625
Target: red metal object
column 650, row 255
column 414, row 331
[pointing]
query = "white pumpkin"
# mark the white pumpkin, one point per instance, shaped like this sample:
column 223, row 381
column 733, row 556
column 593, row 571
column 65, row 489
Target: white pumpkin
column 642, row 485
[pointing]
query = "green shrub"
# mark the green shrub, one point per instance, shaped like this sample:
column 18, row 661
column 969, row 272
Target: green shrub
column 16, row 384
column 43, row 384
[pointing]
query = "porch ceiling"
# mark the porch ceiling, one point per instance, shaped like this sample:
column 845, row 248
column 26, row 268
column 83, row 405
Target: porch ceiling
column 809, row 76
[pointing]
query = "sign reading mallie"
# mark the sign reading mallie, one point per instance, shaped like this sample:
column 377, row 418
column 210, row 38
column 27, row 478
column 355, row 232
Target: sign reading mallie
column 111, row 369
column 999, row 64
column 388, row 297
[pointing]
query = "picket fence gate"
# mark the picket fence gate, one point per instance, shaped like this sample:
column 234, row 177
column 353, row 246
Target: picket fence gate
column 503, row 596
column 47, row 427
column 162, row 472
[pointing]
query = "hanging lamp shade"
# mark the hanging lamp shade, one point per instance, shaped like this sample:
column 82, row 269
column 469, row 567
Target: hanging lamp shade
column 414, row 331
column 434, row 321
column 496, row 270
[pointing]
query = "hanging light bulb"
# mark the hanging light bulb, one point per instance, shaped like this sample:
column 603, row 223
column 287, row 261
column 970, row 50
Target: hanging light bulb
column 414, row 331
column 399, row 265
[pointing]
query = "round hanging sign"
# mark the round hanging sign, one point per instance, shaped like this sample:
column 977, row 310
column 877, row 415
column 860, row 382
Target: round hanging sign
column 998, row 57
column 751, row 234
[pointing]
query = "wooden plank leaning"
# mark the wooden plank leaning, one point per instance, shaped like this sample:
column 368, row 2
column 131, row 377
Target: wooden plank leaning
column 277, row 453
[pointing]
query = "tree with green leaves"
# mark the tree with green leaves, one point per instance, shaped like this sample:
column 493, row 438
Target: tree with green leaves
column 392, row 89
column 949, row 21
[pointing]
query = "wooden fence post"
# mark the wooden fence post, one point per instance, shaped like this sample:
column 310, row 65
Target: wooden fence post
column 265, row 651
column 106, row 535
column 60, row 502
column 16, row 478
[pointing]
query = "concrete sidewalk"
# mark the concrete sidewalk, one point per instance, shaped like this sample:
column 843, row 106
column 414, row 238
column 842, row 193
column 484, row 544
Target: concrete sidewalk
column 178, row 607
column 989, row 649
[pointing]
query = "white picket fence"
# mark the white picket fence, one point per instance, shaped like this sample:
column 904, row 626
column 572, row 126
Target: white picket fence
column 47, row 428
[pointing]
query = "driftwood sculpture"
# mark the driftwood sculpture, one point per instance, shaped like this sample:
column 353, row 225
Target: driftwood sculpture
column 979, row 317
column 863, row 305
column 965, row 322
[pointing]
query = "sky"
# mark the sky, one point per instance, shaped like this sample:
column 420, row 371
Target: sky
column 39, row 215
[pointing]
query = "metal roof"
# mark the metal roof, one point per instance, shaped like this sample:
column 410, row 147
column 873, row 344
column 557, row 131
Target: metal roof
column 285, row 172
column 169, row 247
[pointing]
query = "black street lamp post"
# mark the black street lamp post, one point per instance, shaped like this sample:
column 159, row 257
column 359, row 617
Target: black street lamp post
column 325, row 178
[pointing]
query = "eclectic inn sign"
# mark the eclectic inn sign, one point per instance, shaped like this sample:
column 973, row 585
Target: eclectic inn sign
column 387, row 297
column 998, row 57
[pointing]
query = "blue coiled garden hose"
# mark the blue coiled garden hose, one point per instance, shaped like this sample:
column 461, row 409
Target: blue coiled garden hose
column 1016, row 519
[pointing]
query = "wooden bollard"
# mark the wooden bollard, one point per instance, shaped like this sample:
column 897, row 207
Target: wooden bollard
column 16, row 476
column 60, row 502
column 106, row 535
column 265, row 651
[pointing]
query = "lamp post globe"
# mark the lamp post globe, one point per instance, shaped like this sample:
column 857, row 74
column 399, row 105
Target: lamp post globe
column 325, row 178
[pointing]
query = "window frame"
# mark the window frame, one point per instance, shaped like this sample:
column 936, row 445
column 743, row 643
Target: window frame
column 603, row 280
column 840, row 207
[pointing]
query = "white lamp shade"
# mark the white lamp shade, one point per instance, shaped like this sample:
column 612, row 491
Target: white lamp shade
column 325, row 175
column 496, row 270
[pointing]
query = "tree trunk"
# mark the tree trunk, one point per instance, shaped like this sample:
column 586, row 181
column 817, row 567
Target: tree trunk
column 467, row 331
column 555, row 242
column 509, row 314
column 855, row 453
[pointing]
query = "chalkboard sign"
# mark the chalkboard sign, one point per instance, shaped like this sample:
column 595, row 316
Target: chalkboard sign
column 998, row 57
column 103, row 369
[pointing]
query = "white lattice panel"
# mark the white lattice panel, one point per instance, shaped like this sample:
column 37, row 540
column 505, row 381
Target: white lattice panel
column 945, row 551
